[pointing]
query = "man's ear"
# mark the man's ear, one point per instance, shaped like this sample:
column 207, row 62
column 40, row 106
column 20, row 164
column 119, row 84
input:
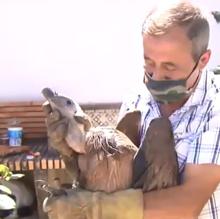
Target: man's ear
column 85, row 120
column 130, row 125
column 204, row 59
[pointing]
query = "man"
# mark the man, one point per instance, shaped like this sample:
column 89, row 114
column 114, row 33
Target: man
column 175, row 41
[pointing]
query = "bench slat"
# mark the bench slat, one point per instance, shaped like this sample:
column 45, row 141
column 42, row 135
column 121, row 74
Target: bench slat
column 23, row 120
column 7, row 109
column 26, row 125
column 22, row 114
column 21, row 103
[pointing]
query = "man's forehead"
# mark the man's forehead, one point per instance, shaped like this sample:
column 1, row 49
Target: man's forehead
column 171, row 63
column 166, row 46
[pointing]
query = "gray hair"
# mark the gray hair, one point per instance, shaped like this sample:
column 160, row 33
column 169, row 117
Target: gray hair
column 184, row 14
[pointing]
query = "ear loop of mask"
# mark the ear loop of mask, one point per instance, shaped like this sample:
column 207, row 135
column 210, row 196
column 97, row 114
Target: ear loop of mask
column 197, row 78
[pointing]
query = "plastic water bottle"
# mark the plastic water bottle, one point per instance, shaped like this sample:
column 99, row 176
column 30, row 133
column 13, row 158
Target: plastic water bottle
column 15, row 136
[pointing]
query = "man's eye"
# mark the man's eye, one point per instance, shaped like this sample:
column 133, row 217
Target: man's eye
column 170, row 68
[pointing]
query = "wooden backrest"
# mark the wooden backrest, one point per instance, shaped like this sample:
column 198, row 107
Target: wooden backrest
column 30, row 116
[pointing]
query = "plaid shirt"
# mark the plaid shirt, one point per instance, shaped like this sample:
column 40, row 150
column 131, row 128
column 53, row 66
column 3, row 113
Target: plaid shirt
column 196, row 128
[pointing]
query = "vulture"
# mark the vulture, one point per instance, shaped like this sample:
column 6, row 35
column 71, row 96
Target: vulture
column 108, row 158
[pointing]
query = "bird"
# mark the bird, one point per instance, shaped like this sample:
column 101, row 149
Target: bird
column 155, row 164
column 109, row 158
column 103, row 155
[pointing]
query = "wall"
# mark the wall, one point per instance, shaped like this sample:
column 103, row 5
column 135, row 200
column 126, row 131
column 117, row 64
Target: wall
column 89, row 50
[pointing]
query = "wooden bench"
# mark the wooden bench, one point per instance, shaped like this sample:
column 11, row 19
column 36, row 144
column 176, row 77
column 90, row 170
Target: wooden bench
column 30, row 116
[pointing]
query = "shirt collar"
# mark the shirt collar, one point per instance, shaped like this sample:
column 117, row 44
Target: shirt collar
column 204, row 90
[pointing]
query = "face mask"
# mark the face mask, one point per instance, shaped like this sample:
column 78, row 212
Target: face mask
column 169, row 91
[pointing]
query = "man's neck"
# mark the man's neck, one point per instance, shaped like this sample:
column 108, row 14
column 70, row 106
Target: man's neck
column 167, row 109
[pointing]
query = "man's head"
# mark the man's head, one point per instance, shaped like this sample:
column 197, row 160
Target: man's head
column 176, row 37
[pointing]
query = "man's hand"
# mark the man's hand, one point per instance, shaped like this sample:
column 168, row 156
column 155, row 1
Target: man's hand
column 187, row 200
column 84, row 204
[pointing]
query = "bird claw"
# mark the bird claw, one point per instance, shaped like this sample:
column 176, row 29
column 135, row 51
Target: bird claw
column 42, row 185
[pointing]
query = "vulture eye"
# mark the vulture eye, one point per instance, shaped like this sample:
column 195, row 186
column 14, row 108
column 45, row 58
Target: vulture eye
column 68, row 102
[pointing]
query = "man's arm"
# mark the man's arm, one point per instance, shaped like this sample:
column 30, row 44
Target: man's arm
column 187, row 200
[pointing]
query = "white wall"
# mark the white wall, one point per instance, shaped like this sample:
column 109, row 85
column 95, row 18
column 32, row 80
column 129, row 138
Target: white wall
column 88, row 50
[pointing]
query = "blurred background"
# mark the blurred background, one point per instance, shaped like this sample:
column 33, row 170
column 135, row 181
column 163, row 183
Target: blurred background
column 88, row 50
